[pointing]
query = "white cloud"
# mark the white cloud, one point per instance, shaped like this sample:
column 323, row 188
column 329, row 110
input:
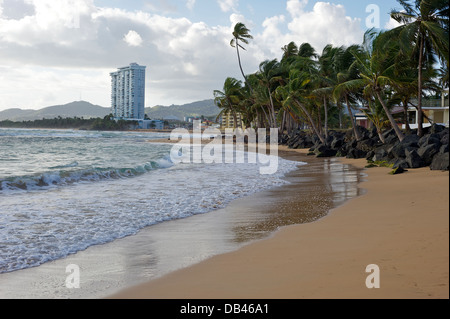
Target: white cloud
column 392, row 24
column 228, row 5
column 190, row 4
column 133, row 39
column 327, row 23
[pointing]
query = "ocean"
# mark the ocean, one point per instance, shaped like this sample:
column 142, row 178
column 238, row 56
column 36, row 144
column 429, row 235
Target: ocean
column 62, row 191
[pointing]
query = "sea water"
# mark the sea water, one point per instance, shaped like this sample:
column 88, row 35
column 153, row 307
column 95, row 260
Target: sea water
column 62, row 191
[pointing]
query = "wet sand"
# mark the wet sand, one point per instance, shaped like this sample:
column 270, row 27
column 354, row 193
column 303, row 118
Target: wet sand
column 170, row 246
column 400, row 224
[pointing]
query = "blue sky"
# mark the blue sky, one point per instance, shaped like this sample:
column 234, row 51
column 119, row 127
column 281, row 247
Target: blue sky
column 51, row 52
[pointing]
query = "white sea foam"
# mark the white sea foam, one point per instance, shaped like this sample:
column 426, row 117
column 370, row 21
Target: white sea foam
column 51, row 214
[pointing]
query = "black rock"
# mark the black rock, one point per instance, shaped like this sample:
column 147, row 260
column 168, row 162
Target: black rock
column 411, row 139
column 366, row 145
column 413, row 159
column 436, row 128
column 356, row 153
column 337, row 142
column 370, row 155
column 391, row 140
column 430, row 139
column 380, row 154
column 400, row 163
column 427, row 153
column 440, row 162
column 443, row 149
column 445, row 139
column 398, row 170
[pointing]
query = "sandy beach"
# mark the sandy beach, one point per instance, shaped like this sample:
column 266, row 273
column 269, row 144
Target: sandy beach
column 400, row 224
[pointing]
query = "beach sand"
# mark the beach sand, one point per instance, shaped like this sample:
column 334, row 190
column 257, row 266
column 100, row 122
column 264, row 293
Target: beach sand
column 400, row 224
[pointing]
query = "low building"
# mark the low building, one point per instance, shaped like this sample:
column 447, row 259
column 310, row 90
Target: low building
column 435, row 110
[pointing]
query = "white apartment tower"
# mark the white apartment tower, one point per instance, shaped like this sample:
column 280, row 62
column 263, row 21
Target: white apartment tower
column 128, row 92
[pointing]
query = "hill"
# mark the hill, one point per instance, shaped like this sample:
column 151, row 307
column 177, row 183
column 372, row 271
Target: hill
column 74, row 109
column 195, row 109
column 88, row 110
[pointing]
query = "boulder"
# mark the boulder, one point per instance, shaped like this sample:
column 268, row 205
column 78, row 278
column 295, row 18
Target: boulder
column 356, row 153
column 380, row 154
column 440, row 162
column 366, row 145
column 400, row 163
column 436, row 128
column 337, row 142
column 413, row 159
column 411, row 139
column 430, row 139
column 427, row 153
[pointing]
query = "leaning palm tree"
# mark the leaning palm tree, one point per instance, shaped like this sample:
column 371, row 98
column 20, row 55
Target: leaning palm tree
column 377, row 65
column 268, row 75
column 423, row 30
column 295, row 97
column 242, row 34
column 229, row 99
column 346, row 70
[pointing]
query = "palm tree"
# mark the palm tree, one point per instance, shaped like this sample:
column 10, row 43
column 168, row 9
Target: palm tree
column 295, row 97
column 425, row 30
column 229, row 99
column 242, row 34
column 376, row 114
column 377, row 65
column 269, row 71
column 346, row 70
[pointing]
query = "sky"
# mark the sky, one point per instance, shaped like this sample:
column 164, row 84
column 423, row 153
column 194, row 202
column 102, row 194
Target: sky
column 56, row 52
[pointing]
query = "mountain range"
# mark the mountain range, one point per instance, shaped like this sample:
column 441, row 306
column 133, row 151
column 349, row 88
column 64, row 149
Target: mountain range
column 87, row 110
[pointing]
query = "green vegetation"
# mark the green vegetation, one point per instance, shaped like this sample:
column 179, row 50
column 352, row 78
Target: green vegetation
column 97, row 124
column 307, row 89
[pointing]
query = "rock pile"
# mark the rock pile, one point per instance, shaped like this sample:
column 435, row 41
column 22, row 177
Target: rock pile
column 413, row 152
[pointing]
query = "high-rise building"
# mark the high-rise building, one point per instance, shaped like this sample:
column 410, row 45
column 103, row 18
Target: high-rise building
column 128, row 92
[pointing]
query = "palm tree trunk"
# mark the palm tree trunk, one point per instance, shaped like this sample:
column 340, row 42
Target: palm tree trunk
column 235, row 119
column 325, row 107
column 240, row 66
column 391, row 118
column 352, row 119
column 272, row 110
column 419, row 96
column 313, row 125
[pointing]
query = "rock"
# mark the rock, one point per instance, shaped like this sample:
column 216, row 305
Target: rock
column 427, row 153
column 443, row 149
column 356, row 153
column 436, row 128
column 370, row 155
column 411, row 139
column 440, row 162
column 445, row 139
column 389, row 133
column 327, row 153
column 337, row 143
column 363, row 132
column 413, row 159
column 430, row 139
column 400, row 163
column 380, row 154
column 398, row 170
column 366, row 145
column 391, row 140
